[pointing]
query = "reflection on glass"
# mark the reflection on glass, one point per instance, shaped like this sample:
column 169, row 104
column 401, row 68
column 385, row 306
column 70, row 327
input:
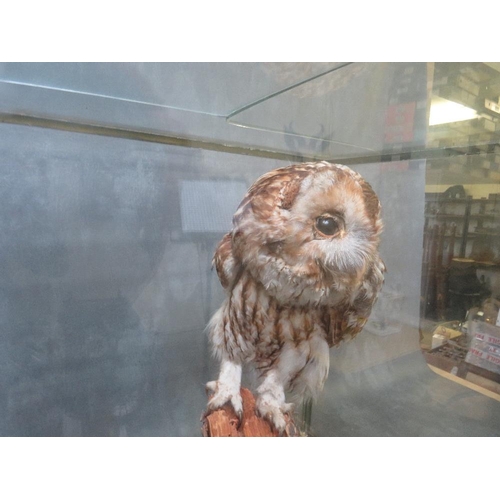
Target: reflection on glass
column 461, row 266
column 106, row 284
column 355, row 110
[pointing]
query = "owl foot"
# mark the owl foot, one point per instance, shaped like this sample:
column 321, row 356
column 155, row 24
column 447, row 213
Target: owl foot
column 224, row 393
column 274, row 410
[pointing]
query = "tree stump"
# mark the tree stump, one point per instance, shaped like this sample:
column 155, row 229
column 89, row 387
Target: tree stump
column 225, row 423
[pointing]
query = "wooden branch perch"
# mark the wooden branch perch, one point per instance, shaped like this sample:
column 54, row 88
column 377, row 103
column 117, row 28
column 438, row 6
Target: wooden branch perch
column 225, row 423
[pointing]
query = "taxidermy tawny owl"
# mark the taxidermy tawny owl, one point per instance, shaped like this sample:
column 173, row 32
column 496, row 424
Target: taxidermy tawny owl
column 302, row 271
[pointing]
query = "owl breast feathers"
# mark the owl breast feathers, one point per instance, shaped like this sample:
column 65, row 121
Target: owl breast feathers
column 301, row 270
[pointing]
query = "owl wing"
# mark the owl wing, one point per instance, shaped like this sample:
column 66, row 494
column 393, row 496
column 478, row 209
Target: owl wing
column 227, row 267
column 349, row 321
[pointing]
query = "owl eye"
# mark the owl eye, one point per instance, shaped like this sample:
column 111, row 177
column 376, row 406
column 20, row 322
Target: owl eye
column 327, row 225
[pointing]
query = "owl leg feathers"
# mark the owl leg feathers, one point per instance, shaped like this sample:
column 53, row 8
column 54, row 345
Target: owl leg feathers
column 271, row 400
column 227, row 388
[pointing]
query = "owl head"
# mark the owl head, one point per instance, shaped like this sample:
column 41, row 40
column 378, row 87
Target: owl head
column 308, row 233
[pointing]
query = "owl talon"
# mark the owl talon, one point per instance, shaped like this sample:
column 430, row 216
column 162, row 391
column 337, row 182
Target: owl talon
column 223, row 394
column 273, row 414
column 237, row 404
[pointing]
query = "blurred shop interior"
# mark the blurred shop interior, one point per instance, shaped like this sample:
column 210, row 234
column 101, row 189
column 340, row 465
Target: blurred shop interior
column 460, row 326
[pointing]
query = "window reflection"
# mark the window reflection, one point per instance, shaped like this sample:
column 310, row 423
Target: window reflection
column 461, row 263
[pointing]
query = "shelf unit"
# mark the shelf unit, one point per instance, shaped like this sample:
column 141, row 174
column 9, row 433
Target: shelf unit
column 453, row 231
column 467, row 214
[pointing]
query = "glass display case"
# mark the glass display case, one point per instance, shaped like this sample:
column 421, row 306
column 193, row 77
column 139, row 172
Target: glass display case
column 119, row 180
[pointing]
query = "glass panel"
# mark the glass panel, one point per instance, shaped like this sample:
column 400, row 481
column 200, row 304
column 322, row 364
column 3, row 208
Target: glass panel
column 106, row 283
column 460, row 293
column 106, row 287
column 318, row 110
column 207, row 88
column 182, row 100
column 460, row 275
column 358, row 109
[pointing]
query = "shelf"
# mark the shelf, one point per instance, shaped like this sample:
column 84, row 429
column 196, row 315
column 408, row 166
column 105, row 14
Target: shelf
column 446, row 200
column 461, row 200
column 483, row 216
column 470, row 225
column 492, row 235
column 444, row 216
column 461, row 216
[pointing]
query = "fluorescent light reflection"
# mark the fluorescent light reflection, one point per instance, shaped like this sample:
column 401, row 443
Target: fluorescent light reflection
column 444, row 111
